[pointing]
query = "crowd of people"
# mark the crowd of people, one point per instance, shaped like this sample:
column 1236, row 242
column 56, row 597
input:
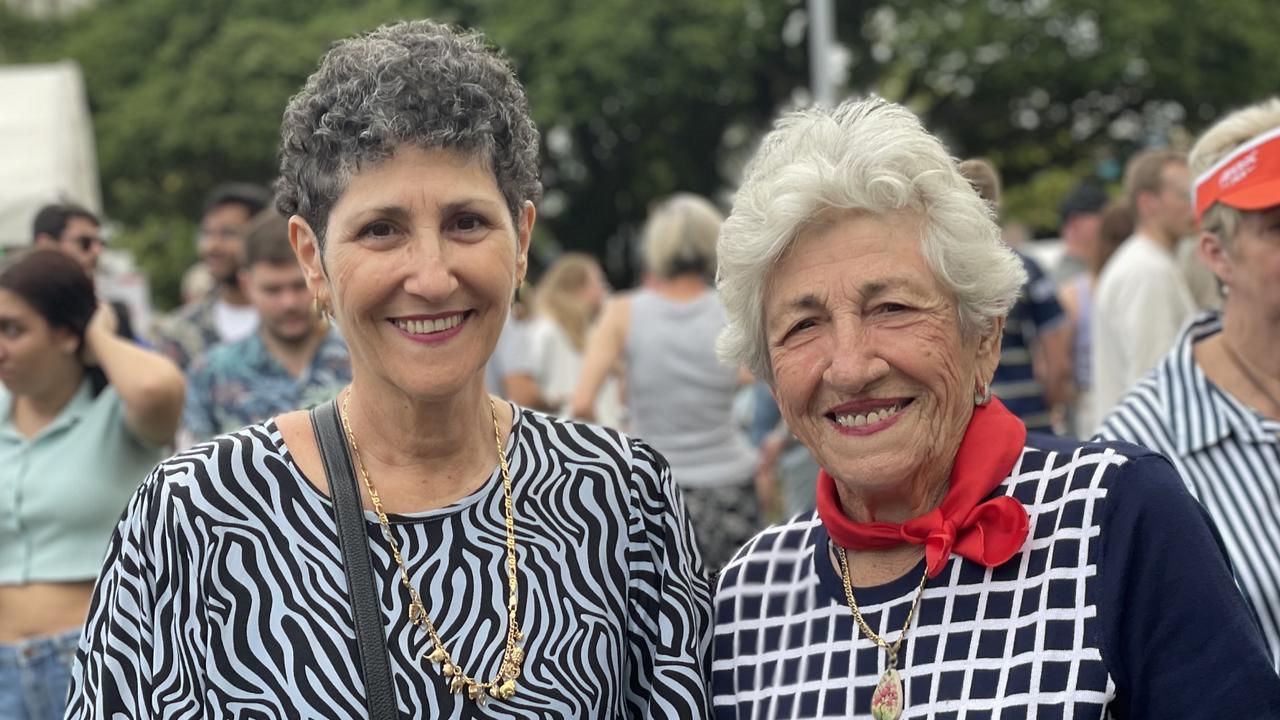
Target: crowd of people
column 845, row 451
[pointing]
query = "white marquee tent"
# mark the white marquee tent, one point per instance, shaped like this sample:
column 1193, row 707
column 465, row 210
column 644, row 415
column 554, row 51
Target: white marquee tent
column 46, row 145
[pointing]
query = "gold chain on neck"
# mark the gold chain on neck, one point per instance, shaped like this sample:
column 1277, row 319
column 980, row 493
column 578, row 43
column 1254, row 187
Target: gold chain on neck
column 857, row 614
column 503, row 686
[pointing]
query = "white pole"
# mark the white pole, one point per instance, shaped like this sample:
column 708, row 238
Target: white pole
column 822, row 41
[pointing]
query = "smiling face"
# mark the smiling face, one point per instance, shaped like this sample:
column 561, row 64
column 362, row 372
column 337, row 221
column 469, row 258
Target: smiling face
column 871, row 371
column 421, row 259
column 221, row 240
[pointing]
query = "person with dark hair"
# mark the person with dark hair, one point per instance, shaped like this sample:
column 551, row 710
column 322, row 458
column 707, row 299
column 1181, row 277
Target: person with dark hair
column 72, row 229
column 1080, row 214
column 1115, row 225
column 77, row 232
column 294, row 360
column 224, row 315
column 492, row 554
column 84, row 415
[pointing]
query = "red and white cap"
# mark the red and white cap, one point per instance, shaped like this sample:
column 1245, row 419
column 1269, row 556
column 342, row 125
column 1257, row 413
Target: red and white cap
column 1247, row 179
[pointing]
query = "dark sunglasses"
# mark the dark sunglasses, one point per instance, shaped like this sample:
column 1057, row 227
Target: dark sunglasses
column 87, row 242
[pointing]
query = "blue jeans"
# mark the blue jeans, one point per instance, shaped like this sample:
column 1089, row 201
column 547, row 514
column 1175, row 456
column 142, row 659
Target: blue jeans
column 35, row 676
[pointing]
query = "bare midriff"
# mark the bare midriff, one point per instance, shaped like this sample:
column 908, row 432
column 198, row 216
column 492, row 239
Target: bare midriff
column 42, row 609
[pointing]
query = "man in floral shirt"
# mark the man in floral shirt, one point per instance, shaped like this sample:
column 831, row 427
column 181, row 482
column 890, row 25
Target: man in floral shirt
column 295, row 360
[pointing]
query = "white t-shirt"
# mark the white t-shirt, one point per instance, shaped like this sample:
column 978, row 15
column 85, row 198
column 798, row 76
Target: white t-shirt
column 234, row 322
column 557, row 365
column 1142, row 301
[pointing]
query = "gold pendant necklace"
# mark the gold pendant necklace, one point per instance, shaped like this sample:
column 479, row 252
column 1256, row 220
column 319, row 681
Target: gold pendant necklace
column 887, row 701
column 503, row 686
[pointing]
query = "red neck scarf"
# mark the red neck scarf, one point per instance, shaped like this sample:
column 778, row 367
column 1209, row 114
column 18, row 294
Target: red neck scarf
column 988, row 533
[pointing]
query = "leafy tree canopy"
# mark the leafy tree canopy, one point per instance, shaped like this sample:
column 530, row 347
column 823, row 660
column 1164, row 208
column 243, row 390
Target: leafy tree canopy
column 637, row 99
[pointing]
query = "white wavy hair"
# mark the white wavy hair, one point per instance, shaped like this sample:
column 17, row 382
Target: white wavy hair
column 866, row 155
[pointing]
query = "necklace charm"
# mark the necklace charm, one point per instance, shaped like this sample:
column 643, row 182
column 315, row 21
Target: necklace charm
column 886, row 701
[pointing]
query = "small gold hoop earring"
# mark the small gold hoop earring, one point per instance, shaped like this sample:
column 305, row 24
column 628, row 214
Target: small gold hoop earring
column 321, row 309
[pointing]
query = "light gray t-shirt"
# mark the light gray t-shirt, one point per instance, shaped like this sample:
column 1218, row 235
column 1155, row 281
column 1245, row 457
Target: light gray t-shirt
column 681, row 395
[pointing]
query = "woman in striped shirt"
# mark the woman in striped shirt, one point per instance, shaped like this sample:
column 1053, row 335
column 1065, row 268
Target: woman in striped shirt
column 1213, row 404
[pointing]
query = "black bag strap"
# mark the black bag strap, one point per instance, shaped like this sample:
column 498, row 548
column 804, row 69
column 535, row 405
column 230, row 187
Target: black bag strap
column 348, row 514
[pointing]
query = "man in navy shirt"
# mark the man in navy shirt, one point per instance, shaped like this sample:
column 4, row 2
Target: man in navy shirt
column 1034, row 332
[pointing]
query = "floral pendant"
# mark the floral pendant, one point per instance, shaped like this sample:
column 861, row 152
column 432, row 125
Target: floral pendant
column 886, row 702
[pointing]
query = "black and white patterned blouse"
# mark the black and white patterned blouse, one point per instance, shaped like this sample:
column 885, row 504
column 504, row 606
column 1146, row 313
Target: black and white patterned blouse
column 223, row 593
column 1119, row 604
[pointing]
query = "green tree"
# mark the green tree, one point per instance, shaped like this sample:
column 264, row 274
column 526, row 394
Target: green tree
column 641, row 98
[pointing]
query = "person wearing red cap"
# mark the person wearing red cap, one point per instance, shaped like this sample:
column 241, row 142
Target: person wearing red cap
column 1212, row 405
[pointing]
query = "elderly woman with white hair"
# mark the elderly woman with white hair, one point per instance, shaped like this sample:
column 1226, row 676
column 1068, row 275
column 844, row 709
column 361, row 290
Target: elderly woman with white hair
column 954, row 566
column 1212, row 405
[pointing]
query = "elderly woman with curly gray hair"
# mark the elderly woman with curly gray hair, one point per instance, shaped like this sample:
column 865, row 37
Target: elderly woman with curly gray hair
column 955, row 566
column 417, row 548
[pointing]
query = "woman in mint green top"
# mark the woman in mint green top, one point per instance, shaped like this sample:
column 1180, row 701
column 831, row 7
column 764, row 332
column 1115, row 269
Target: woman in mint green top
column 84, row 415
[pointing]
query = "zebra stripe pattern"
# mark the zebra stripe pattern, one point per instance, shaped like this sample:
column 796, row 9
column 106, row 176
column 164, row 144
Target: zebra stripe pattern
column 1228, row 455
column 223, row 593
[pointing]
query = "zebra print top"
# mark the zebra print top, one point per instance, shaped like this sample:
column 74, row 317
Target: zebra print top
column 223, row 593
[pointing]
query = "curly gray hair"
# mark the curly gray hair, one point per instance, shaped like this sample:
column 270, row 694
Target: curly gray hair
column 416, row 83
column 868, row 155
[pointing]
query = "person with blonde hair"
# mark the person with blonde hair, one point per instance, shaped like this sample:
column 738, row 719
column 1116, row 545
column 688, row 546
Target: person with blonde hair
column 1212, row 405
column 679, row 394
column 566, row 302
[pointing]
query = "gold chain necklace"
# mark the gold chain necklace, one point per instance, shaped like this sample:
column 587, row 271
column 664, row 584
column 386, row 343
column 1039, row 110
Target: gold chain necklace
column 503, row 686
column 887, row 700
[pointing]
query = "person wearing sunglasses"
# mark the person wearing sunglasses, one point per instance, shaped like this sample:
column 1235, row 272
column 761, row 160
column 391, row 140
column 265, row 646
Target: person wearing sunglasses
column 77, row 232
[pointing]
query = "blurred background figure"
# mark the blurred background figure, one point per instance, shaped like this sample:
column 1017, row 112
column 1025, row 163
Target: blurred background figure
column 197, row 282
column 1081, row 214
column 84, row 415
column 1142, row 298
column 1212, row 405
column 1115, row 225
column 225, row 314
column 77, row 232
column 679, row 395
column 294, row 361
column 1034, row 361
column 512, row 371
column 568, row 299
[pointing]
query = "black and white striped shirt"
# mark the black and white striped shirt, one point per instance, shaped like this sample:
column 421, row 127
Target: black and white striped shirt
column 224, row 594
column 1228, row 455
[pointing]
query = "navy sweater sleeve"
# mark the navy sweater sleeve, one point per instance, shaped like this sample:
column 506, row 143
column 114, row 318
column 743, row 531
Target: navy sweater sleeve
column 1177, row 636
